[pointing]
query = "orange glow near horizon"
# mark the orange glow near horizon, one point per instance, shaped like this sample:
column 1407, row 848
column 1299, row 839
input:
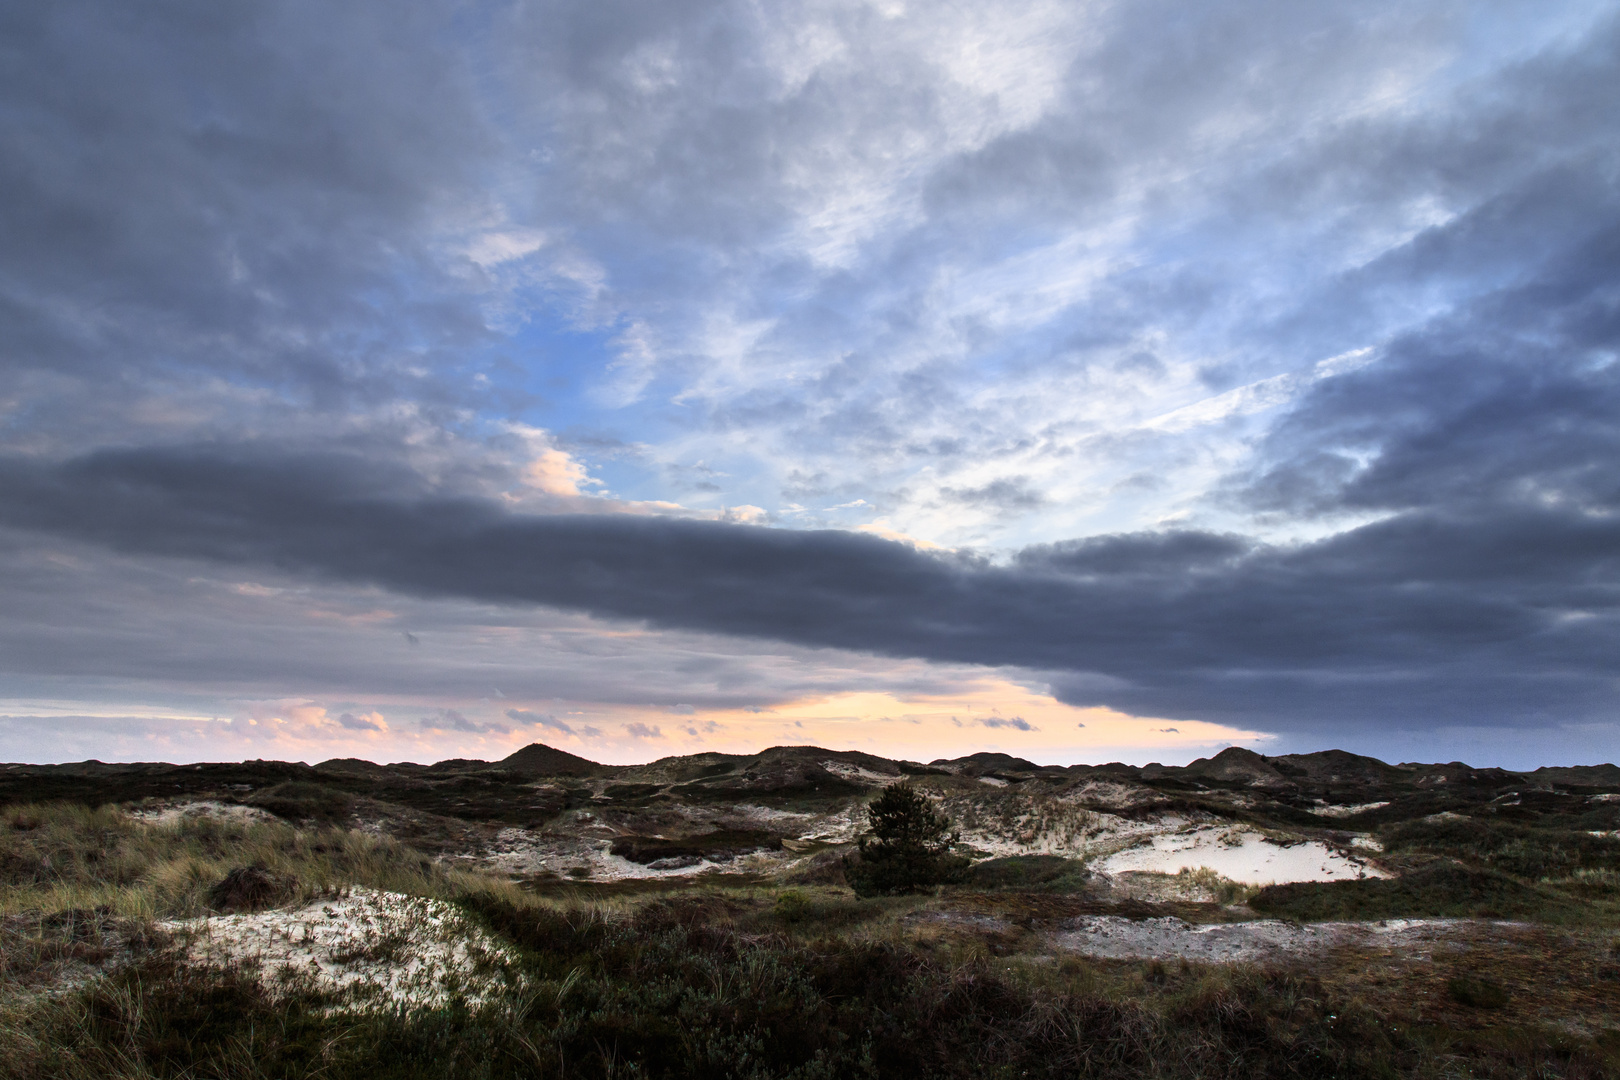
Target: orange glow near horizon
column 992, row 713
column 998, row 715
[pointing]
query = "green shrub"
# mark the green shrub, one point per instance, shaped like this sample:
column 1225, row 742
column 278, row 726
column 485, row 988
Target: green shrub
column 1028, row 873
column 909, row 846
column 1445, row 889
column 299, row 800
column 792, row 906
column 1533, row 852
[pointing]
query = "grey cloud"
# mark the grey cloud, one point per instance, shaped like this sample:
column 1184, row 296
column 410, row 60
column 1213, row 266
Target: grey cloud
column 1518, row 162
column 266, row 198
column 1007, row 494
column 218, row 223
column 358, row 723
column 545, row 720
column 1511, row 399
column 1146, row 554
column 451, row 720
column 212, row 188
column 82, row 623
column 1017, row 723
column 638, row 730
column 1498, row 612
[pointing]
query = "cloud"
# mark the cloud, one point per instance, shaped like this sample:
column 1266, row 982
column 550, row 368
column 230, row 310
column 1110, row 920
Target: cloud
column 250, row 271
column 1261, row 372
column 639, row 730
column 451, row 720
column 372, row 721
column 1481, row 608
column 545, row 720
column 1018, row 723
column 1007, row 494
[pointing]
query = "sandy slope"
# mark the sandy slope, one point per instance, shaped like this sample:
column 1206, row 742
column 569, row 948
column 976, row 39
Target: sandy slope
column 369, row 947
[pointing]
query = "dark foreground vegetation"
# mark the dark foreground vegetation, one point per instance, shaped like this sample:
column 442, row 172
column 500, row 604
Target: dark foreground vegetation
column 705, row 986
column 941, row 969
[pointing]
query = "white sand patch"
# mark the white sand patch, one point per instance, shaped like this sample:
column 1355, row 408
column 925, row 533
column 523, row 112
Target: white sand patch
column 583, row 843
column 1111, row 794
column 1240, row 855
column 855, row 774
column 176, row 813
column 1070, row 832
column 1267, row 939
column 840, row 828
column 993, row 781
column 1347, row 810
column 373, row 948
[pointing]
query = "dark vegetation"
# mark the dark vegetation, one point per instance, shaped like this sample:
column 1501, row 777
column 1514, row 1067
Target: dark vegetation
column 1028, row 873
column 1443, row 889
column 1555, row 862
column 300, row 800
column 250, row 888
column 935, row 970
column 702, row 986
column 908, row 849
column 1477, row 992
column 718, row 845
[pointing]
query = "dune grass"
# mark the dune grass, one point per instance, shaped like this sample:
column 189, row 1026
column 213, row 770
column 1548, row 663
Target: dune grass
column 699, row 986
column 69, row 857
column 1473, row 867
column 751, row 980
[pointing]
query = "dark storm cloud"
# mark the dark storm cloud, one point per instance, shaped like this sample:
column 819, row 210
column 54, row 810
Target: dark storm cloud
column 1149, row 554
column 1440, row 613
column 1513, row 398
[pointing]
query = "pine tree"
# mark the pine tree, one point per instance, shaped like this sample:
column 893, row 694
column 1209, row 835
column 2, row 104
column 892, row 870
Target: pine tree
column 908, row 848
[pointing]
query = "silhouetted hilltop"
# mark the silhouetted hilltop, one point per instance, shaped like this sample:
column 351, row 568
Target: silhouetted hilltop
column 540, row 782
column 538, row 759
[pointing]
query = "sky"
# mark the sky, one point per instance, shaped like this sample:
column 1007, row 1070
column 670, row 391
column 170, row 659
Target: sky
column 1086, row 381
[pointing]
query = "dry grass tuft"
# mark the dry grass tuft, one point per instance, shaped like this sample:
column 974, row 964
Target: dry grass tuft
column 61, row 857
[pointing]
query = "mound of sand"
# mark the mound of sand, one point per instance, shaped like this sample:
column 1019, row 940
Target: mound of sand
column 370, row 948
